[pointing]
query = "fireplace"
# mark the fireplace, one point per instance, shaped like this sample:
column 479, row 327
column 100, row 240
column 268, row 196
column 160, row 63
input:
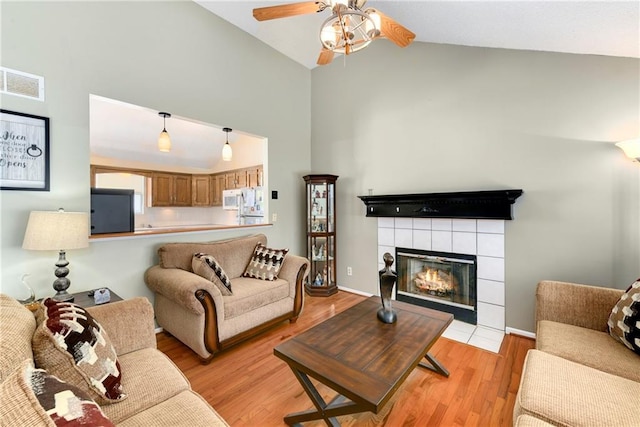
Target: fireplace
column 468, row 222
column 441, row 280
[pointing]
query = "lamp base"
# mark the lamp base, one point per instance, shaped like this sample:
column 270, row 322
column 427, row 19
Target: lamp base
column 62, row 283
column 63, row 296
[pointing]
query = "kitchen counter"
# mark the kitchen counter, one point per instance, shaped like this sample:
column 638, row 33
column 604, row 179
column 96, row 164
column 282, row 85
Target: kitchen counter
column 182, row 227
column 142, row 232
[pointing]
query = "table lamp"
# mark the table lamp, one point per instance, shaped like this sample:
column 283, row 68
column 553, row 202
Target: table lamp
column 51, row 230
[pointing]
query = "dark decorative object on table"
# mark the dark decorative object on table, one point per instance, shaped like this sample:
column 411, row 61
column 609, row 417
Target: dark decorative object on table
column 388, row 279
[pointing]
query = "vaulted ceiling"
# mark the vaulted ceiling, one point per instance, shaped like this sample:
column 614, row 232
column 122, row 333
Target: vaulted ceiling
column 584, row 27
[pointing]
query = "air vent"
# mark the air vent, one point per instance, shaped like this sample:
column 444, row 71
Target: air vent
column 23, row 84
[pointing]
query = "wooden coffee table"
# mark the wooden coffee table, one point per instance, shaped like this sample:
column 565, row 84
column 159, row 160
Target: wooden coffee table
column 364, row 360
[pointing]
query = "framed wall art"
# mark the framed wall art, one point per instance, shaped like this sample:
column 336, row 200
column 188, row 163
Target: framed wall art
column 24, row 151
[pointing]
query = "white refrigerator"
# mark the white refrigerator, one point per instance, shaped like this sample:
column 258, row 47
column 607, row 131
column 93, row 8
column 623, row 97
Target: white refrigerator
column 251, row 209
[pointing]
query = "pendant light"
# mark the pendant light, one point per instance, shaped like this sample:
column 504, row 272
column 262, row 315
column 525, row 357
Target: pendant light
column 164, row 142
column 227, row 153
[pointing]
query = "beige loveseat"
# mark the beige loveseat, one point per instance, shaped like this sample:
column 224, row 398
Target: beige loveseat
column 192, row 308
column 578, row 375
column 158, row 394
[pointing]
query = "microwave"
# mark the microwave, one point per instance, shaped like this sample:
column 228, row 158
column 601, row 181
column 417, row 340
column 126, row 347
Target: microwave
column 231, row 199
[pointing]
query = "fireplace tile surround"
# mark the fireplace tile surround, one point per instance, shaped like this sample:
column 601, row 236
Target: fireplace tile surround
column 483, row 238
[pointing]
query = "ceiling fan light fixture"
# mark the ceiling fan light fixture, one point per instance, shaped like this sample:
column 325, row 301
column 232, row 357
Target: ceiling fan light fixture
column 347, row 31
column 350, row 27
column 339, row 4
column 372, row 26
column 227, row 152
column 164, row 142
column 329, row 37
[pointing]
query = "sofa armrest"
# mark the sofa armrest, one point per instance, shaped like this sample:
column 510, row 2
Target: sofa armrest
column 291, row 267
column 129, row 323
column 295, row 270
column 575, row 304
column 180, row 286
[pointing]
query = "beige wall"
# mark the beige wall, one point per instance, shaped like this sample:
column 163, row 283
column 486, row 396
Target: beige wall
column 169, row 56
column 433, row 118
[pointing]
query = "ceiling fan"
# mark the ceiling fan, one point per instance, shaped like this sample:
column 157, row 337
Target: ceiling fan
column 348, row 29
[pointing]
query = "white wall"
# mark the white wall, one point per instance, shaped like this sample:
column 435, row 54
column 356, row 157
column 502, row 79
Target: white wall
column 168, row 56
column 433, row 118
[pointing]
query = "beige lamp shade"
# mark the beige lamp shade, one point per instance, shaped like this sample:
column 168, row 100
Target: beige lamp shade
column 631, row 148
column 51, row 230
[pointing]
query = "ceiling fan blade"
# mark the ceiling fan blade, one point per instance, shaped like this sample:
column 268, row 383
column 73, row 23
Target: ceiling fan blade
column 326, row 56
column 394, row 31
column 285, row 10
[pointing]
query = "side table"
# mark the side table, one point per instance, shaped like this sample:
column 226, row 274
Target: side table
column 83, row 299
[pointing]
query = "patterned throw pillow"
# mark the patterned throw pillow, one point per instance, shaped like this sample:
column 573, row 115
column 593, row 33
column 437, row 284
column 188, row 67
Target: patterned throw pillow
column 33, row 397
column 624, row 321
column 265, row 263
column 206, row 266
column 72, row 345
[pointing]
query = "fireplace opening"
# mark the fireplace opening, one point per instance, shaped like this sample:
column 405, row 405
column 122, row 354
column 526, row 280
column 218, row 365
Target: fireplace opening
column 439, row 280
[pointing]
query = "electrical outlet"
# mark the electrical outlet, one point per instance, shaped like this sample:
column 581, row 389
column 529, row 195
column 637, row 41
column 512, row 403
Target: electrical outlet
column 274, row 217
column 349, row 271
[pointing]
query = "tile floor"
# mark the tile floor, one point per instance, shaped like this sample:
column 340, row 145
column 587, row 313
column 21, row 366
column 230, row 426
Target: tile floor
column 478, row 336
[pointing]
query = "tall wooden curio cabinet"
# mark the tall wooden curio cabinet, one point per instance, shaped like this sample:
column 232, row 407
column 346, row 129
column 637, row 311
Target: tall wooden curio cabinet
column 321, row 234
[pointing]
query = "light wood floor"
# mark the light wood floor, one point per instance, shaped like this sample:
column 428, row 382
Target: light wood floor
column 249, row 386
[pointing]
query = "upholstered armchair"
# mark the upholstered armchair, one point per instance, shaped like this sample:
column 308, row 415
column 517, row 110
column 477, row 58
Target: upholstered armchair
column 196, row 310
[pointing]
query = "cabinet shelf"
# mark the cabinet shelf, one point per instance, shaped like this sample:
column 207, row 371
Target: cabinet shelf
column 322, row 259
column 321, row 234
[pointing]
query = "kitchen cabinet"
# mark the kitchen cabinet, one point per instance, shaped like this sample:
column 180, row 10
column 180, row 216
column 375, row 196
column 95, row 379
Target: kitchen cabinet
column 246, row 177
column 182, row 190
column 170, row 189
column 229, row 180
column 254, row 176
column 201, row 190
column 217, row 187
column 241, row 179
column 161, row 189
column 235, row 179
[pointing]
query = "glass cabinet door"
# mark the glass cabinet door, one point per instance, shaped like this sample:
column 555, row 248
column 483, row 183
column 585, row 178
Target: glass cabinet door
column 321, row 238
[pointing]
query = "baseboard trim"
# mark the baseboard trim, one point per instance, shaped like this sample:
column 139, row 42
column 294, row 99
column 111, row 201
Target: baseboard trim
column 158, row 330
column 355, row 291
column 520, row 332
